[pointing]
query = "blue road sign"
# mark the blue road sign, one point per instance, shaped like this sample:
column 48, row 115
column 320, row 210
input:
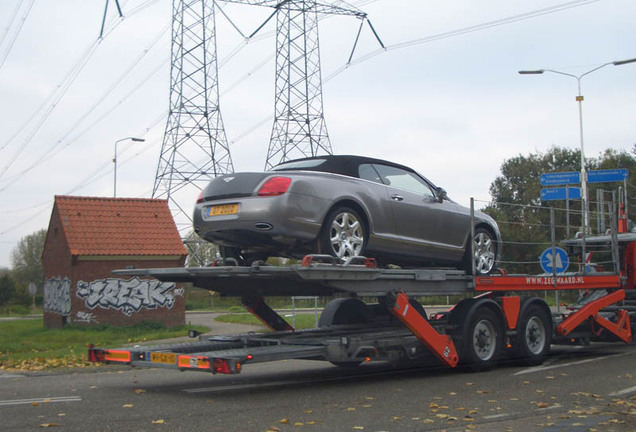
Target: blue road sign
column 560, row 178
column 611, row 175
column 557, row 263
column 561, row 193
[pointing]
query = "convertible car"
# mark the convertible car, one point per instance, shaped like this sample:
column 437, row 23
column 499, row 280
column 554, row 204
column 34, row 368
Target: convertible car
column 343, row 206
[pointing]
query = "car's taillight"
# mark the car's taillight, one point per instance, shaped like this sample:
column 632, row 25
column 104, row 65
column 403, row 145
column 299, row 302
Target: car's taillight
column 275, row 186
column 200, row 199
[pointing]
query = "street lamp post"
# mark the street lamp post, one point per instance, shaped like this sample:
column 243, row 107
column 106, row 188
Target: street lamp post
column 579, row 99
column 115, row 161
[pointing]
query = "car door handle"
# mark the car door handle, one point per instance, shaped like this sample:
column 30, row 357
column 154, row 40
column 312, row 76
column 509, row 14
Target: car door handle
column 397, row 197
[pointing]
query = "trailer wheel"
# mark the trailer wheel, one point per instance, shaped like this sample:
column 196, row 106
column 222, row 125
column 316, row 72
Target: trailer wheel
column 344, row 311
column 534, row 336
column 482, row 340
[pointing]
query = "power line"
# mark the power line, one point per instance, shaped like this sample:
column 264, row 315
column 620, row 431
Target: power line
column 60, row 144
column 16, row 31
column 465, row 30
column 54, row 98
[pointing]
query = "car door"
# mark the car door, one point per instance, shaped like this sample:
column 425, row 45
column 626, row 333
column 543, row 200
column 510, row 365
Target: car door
column 428, row 228
column 384, row 237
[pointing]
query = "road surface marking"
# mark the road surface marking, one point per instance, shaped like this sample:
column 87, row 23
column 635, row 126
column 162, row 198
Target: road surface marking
column 624, row 391
column 556, row 366
column 495, row 416
column 40, row 400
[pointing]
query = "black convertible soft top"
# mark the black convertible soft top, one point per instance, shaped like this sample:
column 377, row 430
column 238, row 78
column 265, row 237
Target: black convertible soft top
column 336, row 164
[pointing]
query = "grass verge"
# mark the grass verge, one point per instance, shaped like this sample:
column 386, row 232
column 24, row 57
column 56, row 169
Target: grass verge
column 303, row 321
column 28, row 345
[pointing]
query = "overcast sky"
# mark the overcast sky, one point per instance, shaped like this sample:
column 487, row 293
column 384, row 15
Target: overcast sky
column 450, row 105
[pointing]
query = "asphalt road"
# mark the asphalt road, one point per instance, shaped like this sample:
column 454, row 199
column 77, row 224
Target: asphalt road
column 576, row 389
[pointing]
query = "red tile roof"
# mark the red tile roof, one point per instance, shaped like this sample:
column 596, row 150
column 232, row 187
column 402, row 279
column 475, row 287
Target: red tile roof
column 119, row 226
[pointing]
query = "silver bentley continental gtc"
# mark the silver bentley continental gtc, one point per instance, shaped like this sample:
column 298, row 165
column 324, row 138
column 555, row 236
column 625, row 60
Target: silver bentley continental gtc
column 343, row 206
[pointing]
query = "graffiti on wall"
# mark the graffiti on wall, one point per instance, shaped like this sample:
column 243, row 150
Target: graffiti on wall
column 57, row 296
column 129, row 296
column 82, row 317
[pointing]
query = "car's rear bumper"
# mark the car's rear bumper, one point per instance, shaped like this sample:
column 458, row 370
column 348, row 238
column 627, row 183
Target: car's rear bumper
column 279, row 221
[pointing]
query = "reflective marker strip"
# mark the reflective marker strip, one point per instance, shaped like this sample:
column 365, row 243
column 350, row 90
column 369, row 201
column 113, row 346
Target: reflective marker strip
column 118, row 356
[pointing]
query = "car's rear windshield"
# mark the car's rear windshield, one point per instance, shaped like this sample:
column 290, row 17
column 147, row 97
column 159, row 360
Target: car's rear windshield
column 298, row 165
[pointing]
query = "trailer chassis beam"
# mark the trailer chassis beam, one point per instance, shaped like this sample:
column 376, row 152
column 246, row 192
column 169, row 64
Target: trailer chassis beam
column 440, row 345
column 268, row 316
column 621, row 328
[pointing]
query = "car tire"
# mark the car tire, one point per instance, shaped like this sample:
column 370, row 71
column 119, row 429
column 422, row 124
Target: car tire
column 484, row 253
column 230, row 255
column 344, row 234
column 235, row 256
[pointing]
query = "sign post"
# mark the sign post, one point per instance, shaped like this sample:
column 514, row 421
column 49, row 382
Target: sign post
column 32, row 289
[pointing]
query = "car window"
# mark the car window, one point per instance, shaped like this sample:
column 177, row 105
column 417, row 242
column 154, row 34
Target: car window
column 402, row 179
column 367, row 172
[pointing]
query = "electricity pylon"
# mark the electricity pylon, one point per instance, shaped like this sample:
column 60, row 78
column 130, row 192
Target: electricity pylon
column 195, row 147
column 299, row 124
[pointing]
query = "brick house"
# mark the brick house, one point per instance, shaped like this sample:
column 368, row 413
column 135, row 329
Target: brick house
column 89, row 237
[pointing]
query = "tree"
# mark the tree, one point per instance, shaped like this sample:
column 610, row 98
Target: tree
column 26, row 259
column 524, row 219
column 200, row 252
column 7, row 289
column 612, row 159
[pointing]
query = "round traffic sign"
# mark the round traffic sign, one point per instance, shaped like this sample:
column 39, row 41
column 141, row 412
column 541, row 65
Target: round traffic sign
column 556, row 263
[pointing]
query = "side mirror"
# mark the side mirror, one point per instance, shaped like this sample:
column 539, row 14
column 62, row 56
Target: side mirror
column 441, row 194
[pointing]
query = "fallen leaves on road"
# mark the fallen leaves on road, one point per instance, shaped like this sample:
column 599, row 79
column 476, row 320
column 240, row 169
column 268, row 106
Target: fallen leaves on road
column 587, row 394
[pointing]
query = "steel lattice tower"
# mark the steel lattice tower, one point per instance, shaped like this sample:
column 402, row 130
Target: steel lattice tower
column 195, row 147
column 299, row 124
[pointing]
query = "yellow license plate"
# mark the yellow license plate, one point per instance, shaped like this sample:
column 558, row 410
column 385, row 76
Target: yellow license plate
column 221, row 210
column 166, row 358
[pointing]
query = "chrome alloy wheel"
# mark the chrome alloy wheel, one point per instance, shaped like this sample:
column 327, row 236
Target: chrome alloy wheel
column 485, row 251
column 346, row 235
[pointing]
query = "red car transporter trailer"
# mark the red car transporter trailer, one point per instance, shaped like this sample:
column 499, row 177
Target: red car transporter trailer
column 502, row 316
